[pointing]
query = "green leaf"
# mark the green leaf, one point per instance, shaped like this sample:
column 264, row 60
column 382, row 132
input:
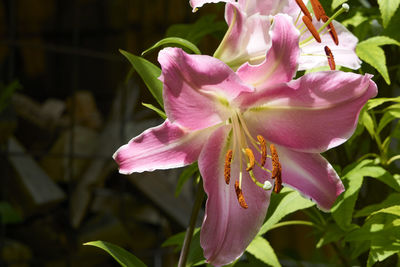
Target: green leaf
column 373, row 103
column 8, row 215
column 380, row 174
column 371, row 52
column 388, row 8
column 356, row 20
column 262, row 250
column 180, row 42
column 123, row 257
column 336, row 3
column 342, row 211
column 282, row 204
column 391, row 200
column 157, row 110
column 185, row 175
column 390, row 113
column 394, row 210
column 149, row 73
column 368, row 122
column 332, row 233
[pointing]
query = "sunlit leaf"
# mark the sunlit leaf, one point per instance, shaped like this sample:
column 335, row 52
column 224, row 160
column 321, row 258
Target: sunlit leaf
column 149, row 73
column 123, row 257
column 282, row 204
column 356, row 20
column 371, row 52
column 375, row 102
column 336, row 3
column 174, row 41
column 262, row 250
column 391, row 200
column 388, row 8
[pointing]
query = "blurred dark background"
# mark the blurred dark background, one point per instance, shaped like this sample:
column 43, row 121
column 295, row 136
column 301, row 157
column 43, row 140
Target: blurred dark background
column 68, row 101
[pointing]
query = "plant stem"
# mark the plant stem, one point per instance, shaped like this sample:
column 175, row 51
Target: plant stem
column 192, row 224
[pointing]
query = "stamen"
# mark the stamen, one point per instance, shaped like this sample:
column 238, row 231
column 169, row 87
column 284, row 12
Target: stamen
column 278, row 185
column 240, row 196
column 331, row 59
column 333, row 33
column 304, row 9
column 227, row 169
column 252, row 160
column 311, row 28
column 263, row 147
column 318, row 9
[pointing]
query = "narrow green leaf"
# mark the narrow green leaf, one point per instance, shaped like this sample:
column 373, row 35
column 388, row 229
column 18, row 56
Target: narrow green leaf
column 388, row 8
column 373, row 103
column 262, row 250
column 332, row 233
column 342, row 211
column 282, row 204
column 185, row 175
column 123, row 257
column 157, row 110
column 371, row 52
column 391, row 200
column 394, row 210
column 149, row 73
column 368, row 122
column 176, row 41
column 380, row 174
column 390, row 113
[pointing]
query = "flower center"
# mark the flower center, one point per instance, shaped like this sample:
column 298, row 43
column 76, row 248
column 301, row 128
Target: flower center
column 319, row 14
column 241, row 150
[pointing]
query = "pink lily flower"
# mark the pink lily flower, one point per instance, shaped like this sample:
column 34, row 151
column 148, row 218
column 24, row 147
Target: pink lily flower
column 225, row 120
column 248, row 39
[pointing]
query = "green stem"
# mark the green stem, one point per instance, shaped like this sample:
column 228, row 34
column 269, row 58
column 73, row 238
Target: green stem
column 192, row 224
column 307, row 223
column 393, row 159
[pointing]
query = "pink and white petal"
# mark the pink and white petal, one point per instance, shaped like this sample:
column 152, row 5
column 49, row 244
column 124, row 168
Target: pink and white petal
column 227, row 227
column 313, row 54
column 247, row 38
column 312, row 175
column 197, row 88
column 312, row 114
column 195, row 4
column 162, row 147
column 270, row 7
column 280, row 64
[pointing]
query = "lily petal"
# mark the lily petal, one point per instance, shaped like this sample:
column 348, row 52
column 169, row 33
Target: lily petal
column 313, row 55
column 195, row 4
column 197, row 88
column 312, row 114
column 247, row 38
column 280, row 64
column 163, row 147
column 269, row 7
column 227, row 228
column 311, row 175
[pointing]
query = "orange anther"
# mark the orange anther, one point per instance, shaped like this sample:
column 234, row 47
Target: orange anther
column 227, row 169
column 240, row 196
column 311, row 28
column 318, row 9
column 252, row 160
column 333, row 33
column 263, row 147
column 304, row 9
column 330, row 57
